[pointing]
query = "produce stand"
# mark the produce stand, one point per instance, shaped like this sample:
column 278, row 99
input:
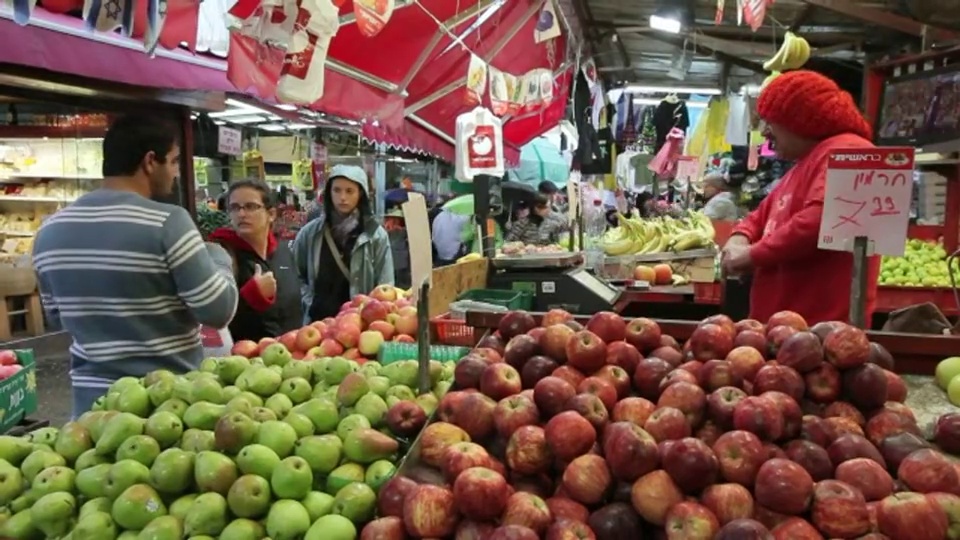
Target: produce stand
column 915, row 353
column 557, row 280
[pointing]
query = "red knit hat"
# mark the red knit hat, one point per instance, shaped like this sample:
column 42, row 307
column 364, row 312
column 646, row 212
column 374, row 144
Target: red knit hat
column 812, row 106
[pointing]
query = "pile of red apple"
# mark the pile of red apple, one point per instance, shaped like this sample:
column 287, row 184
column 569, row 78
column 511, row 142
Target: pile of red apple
column 9, row 364
column 614, row 431
column 356, row 333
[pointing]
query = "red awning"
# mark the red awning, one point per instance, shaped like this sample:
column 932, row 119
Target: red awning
column 61, row 44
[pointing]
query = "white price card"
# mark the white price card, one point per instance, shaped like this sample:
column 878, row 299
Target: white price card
column 229, row 141
column 868, row 193
column 688, row 169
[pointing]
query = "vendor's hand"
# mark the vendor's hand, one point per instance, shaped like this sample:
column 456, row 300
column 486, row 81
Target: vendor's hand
column 736, row 259
column 265, row 282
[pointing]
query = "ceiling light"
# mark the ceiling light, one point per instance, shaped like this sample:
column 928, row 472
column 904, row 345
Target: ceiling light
column 233, row 112
column 665, row 24
column 247, row 120
column 272, row 127
column 653, row 101
column 643, row 89
column 249, row 107
column 300, row 126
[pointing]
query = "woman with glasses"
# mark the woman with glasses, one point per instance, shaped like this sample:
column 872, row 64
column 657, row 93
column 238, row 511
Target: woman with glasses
column 269, row 304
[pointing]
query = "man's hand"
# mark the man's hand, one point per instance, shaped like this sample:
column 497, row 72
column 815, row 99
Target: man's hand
column 265, row 282
column 736, row 259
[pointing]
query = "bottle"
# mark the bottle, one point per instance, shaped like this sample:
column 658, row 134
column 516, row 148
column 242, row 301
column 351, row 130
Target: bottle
column 594, row 225
column 301, row 77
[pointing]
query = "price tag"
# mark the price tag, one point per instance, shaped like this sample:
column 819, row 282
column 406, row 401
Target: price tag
column 688, row 169
column 229, row 141
column 868, row 193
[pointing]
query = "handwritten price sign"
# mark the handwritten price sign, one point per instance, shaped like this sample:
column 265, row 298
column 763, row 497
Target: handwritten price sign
column 868, row 194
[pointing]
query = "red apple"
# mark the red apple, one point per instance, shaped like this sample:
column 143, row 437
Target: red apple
column 512, row 532
column 527, row 510
column 555, row 316
column 435, row 439
column 842, row 409
column 430, row 511
column 491, row 356
column 801, row 351
column 777, row 335
column 630, row 451
column 847, row 347
column 691, row 464
column 348, row 335
column 783, row 486
column 536, row 368
column 537, row 333
column 592, row 408
column 911, row 516
column 688, row 398
column 823, row 384
column 880, row 356
column 946, row 433
column 615, row 521
column 667, row 423
column 449, row 403
column 616, row 376
column 728, row 502
column 744, row 529
column 787, row 318
column 632, row 409
column 722, row 402
column 468, row 371
column 950, row 504
column 873, row 481
column 899, row 408
column 474, row 530
column 586, row 351
column 624, row 356
column 865, row 386
column 513, row 412
column 515, row 323
column 896, row 388
column 392, row 494
column 499, row 381
column 740, row 455
column 608, row 326
column 691, row 521
column 644, row 334
column 554, row 341
column 779, row 378
column 886, row 423
column 748, row 324
column 648, row 375
column 570, row 374
column 789, row 410
column 718, row 373
column 568, row 529
column 795, row 529
column 694, row 367
column 480, row 493
column 601, row 388
column 385, row 528
column 824, row 328
column 331, row 347
column 751, row 339
column 839, row 510
column 927, row 471
column 244, row 347
column 551, row 395
column 670, row 355
column 385, row 329
column 587, row 479
column 896, row 448
column 812, row 457
column 849, row 446
column 406, row 418
column 474, row 414
column 569, row 435
column 520, row 349
column 653, row 494
column 760, row 416
column 527, row 451
column 493, row 341
column 461, row 456
column 566, row 508
column 678, row 375
column 723, row 321
column 710, row 341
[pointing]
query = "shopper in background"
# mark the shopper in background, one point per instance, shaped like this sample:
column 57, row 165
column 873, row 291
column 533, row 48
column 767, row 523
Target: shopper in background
column 263, row 267
column 806, row 115
column 721, row 204
column 345, row 251
column 129, row 278
column 448, row 237
column 541, row 226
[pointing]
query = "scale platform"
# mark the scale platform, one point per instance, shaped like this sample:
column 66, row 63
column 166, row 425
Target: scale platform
column 574, row 289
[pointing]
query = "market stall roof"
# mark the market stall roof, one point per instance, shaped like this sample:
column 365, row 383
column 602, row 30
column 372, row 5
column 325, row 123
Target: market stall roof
column 841, row 32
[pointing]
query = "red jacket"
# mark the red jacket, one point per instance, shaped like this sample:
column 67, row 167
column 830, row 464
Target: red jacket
column 790, row 272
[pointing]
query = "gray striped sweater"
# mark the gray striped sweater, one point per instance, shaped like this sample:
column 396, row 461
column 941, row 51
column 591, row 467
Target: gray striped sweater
column 131, row 280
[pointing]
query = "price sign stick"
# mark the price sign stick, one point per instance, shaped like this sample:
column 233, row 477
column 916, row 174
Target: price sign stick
column 858, row 287
column 423, row 338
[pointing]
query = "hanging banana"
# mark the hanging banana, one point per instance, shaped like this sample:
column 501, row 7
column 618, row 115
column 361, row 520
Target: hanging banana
column 792, row 54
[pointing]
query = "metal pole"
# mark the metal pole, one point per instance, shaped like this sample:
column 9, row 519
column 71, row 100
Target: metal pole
column 423, row 339
column 858, row 288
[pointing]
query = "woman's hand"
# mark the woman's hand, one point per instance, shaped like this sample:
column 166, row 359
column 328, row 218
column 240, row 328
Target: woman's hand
column 736, row 259
column 265, row 282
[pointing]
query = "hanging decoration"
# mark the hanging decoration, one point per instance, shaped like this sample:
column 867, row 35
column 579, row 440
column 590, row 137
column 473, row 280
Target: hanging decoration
column 372, row 15
column 548, row 25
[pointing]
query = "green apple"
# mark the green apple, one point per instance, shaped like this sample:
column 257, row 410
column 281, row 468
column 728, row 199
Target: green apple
column 378, row 473
column 379, row 385
column 277, row 436
column 318, row 504
column 953, row 391
column 321, row 452
column 373, row 407
column 279, row 404
column 428, row 402
column 947, row 370
column 335, row 369
column 402, row 392
column 322, row 412
column 292, row 478
column 350, row 423
column 332, row 527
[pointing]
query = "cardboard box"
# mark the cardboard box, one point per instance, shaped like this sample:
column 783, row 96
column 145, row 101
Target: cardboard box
column 18, row 394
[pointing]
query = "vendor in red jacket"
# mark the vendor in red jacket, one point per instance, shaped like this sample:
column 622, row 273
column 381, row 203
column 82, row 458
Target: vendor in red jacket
column 806, row 115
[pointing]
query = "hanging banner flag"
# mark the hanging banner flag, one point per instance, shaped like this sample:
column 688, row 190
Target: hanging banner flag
column 548, row 25
column 754, row 11
column 499, row 96
column 476, row 80
column 514, row 93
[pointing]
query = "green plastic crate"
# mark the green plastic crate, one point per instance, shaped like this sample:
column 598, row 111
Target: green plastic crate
column 512, row 300
column 394, row 352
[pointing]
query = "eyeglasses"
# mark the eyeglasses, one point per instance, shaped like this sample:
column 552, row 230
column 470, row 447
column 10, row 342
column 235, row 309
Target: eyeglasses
column 248, row 208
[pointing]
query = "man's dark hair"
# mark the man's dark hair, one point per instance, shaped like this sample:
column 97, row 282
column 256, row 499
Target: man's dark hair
column 547, row 187
column 130, row 138
column 540, row 201
column 267, row 197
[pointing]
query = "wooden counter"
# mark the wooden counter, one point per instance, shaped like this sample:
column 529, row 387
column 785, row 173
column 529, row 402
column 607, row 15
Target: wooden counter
column 916, row 354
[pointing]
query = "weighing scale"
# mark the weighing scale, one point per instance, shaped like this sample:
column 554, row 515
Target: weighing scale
column 556, row 280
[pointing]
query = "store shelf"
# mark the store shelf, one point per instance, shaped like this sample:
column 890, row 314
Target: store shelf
column 52, row 132
column 16, row 177
column 22, row 198
column 891, row 298
column 16, row 233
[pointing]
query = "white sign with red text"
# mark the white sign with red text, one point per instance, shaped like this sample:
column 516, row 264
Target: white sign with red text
column 868, row 193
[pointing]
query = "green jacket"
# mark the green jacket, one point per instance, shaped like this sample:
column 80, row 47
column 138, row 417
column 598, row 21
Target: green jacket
column 371, row 262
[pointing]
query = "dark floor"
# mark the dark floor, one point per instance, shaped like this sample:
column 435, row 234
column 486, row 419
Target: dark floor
column 53, row 379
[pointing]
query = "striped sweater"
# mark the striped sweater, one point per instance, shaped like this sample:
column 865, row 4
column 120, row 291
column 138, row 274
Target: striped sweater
column 131, row 280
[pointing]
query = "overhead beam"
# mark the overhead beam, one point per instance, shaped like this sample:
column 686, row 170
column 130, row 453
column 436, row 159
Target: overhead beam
column 886, row 19
column 702, row 48
column 802, row 17
column 725, row 46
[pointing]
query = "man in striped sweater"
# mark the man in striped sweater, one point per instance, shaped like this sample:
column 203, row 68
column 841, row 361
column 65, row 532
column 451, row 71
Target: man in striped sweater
column 129, row 278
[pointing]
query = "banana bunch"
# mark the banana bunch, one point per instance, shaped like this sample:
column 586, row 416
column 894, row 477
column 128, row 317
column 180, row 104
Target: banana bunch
column 792, row 54
column 642, row 237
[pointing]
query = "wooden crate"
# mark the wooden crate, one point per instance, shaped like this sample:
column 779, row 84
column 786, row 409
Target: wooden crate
column 21, row 313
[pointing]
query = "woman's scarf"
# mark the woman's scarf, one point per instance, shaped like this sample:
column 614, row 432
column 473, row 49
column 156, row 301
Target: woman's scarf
column 344, row 225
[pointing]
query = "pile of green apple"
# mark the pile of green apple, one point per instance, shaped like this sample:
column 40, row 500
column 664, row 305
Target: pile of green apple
column 241, row 449
column 923, row 264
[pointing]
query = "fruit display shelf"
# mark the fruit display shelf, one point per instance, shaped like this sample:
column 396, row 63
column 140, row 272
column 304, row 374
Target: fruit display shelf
column 614, row 429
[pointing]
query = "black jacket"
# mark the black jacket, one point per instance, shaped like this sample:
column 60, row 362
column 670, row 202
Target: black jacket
column 259, row 317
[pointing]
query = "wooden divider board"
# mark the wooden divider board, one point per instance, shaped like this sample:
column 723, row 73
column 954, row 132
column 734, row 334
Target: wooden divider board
column 451, row 281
